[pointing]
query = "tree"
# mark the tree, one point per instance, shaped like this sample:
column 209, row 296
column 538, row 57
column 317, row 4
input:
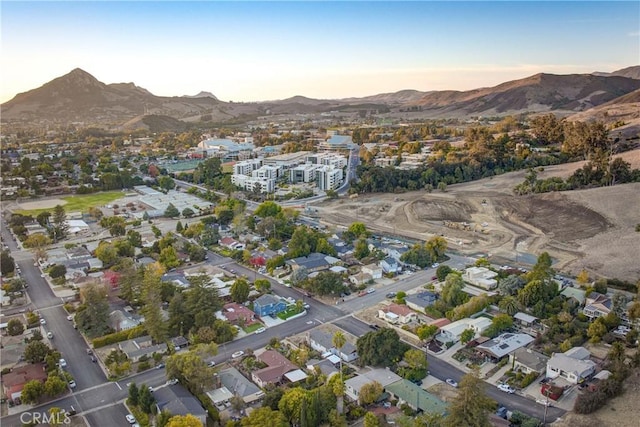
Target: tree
column 370, row 392
column 57, row 270
column 338, row 342
column 188, row 213
column 7, row 264
column 542, row 269
column 361, row 249
column 171, row 211
column 425, row 332
column 264, row 416
column 371, row 420
column 380, row 348
column 452, row 294
column 133, row 394
column 54, row 385
column 15, row 327
column 37, row 241
column 191, row 369
column 442, row 272
column 467, row 335
column 145, row 399
column 299, row 275
column 152, row 303
column 291, row 404
column 417, row 360
column 325, row 283
column 32, row 392
column 583, row 278
column 510, row 285
column 356, row 231
column 436, row 246
column 470, row 407
column 169, row 258
column 509, row 305
column 135, row 238
column 107, row 253
column 596, row 330
column 240, row 290
column 184, row 421
column 92, row 317
column 167, row 183
column 262, row 285
column 268, row 208
column 36, row 352
column 60, row 226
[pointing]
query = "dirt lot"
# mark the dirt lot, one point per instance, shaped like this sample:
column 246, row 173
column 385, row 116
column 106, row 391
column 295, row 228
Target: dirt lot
column 591, row 229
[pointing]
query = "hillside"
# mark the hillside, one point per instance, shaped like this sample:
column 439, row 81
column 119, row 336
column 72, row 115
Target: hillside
column 78, row 97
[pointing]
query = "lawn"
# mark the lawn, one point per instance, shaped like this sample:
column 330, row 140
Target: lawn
column 251, row 328
column 80, row 203
column 291, row 311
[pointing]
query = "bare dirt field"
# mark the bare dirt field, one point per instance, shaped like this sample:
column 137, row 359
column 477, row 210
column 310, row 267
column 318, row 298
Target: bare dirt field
column 41, row 204
column 591, row 229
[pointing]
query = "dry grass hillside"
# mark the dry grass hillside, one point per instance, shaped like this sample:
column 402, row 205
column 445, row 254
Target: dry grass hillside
column 591, row 229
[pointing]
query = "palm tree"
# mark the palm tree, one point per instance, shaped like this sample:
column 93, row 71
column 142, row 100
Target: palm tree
column 338, row 342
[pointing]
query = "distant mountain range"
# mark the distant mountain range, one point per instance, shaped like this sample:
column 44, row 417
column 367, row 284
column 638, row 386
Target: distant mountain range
column 80, row 97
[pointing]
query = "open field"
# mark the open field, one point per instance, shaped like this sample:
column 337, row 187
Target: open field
column 76, row 203
column 591, row 229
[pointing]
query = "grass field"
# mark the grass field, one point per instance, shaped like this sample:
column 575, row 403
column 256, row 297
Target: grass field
column 291, row 311
column 80, row 203
column 252, row 328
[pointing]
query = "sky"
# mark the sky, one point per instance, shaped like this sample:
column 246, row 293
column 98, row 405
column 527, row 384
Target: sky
column 257, row 51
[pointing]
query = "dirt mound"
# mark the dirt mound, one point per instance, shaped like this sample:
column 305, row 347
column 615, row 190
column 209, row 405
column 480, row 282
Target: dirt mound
column 439, row 210
column 555, row 215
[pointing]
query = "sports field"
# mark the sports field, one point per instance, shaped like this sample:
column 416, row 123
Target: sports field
column 77, row 203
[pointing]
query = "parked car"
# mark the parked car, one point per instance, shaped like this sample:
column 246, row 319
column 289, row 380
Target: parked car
column 160, row 366
column 43, row 322
column 172, row 381
column 211, row 364
column 69, row 317
column 451, row 382
column 371, row 290
column 506, row 388
column 260, row 330
column 62, row 363
column 72, row 384
column 130, row 418
column 50, row 335
column 391, row 295
column 237, row 354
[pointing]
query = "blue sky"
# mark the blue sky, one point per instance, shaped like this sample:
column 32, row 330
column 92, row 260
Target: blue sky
column 255, row 51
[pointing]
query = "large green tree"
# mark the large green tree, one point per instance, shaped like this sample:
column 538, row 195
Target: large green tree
column 471, row 406
column 380, row 348
column 60, row 227
column 152, row 304
column 36, row 352
column 7, row 264
column 92, row 317
column 240, row 290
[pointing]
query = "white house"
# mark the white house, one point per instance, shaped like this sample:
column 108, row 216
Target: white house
column 481, row 277
column 383, row 376
column 373, row 270
column 573, row 365
column 452, row 331
column 389, row 265
column 395, row 313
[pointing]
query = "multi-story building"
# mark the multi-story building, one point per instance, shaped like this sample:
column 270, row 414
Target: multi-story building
column 303, row 173
column 267, row 171
column 246, row 167
column 329, row 177
column 248, row 183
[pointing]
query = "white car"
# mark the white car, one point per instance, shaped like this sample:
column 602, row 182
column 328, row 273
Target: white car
column 130, row 418
column 506, row 388
column 72, row 384
column 237, row 354
column 62, row 363
column 371, row 290
column 43, row 322
column 260, row 330
column 69, row 317
column 172, row 381
column 50, row 335
column 451, row 382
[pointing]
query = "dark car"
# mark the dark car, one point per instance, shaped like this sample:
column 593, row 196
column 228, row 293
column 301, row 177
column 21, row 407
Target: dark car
column 391, row 295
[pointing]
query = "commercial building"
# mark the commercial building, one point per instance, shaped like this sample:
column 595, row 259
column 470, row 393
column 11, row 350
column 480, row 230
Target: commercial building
column 329, row 178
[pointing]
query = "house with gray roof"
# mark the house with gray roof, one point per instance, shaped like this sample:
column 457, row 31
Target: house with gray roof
column 421, row 300
column 323, row 342
column 178, row 401
column 313, row 262
column 504, row 344
column 573, row 365
column 142, row 346
column 528, row 360
column 238, row 385
column 383, row 376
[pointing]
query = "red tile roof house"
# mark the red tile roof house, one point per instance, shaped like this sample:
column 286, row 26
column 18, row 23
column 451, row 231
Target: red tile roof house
column 277, row 367
column 395, row 313
column 237, row 313
column 14, row 381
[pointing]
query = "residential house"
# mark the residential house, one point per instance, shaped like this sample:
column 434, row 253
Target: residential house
column 142, row 346
column 231, row 243
column 416, row 397
column 178, row 401
column 268, row 305
column 394, row 251
column 178, row 278
column 238, row 385
column 178, row 343
column 502, row 345
column 395, row 313
column 389, row 265
column 385, row 377
column 325, row 366
column 573, row 365
column 360, row 278
column 481, row 277
column 323, row 342
column 278, row 368
column 120, row 320
column 373, row 270
column 525, row 319
column 14, row 381
column 528, row 360
column 238, row 314
column 12, row 347
column 421, row 300
column 313, row 262
column 452, row 331
column 579, row 295
column 597, row 305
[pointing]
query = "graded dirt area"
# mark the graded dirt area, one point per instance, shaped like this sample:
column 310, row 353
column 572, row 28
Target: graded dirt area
column 591, row 229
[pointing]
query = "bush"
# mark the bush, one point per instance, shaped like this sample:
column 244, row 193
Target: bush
column 528, row 379
column 144, row 366
column 115, row 337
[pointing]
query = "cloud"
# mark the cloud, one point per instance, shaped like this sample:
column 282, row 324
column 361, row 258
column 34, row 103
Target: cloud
column 634, row 34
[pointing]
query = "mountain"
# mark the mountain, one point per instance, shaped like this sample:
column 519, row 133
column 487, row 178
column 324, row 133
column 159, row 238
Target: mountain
column 80, row 97
column 630, row 72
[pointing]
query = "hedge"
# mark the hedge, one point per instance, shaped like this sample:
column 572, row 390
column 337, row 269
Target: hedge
column 115, row 337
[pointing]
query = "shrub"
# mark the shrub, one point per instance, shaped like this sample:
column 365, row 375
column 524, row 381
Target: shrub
column 143, row 366
column 528, row 379
column 115, row 337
